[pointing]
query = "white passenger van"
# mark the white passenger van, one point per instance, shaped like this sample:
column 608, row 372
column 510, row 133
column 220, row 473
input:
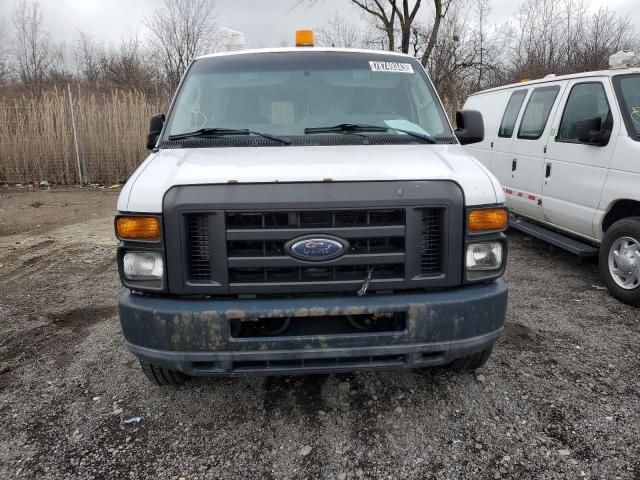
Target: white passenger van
column 567, row 153
column 310, row 210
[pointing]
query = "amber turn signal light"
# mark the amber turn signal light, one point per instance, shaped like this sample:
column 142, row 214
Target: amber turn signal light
column 487, row 220
column 138, row 228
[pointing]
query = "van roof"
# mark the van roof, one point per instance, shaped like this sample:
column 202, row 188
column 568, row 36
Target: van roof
column 305, row 49
column 601, row 73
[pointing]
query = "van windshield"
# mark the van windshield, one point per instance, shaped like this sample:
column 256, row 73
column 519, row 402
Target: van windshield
column 284, row 93
column 628, row 90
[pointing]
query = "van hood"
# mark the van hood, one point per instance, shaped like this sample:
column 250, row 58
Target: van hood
column 146, row 188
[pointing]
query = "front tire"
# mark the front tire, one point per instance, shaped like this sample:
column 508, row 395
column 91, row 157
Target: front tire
column 471, row 362
column 162, row 376
column 619, row 260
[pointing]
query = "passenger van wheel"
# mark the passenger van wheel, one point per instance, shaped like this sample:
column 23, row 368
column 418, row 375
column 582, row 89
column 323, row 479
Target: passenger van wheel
column 620, row 260
column 162, row 376
column 471, row 362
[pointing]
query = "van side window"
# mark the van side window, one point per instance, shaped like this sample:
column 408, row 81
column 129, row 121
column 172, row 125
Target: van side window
column 511, row 113
column 537, row 112
column 587, row 102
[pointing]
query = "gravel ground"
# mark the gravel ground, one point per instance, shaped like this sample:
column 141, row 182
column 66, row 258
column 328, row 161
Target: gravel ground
column 558, row 399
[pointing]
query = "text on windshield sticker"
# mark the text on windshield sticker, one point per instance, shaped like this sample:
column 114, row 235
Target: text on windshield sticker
column 391, row 67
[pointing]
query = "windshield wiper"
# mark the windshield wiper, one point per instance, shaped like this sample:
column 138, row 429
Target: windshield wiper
column 359, row 127
column 221, row 132
column 346, row 128
column 209, row 132
column 422, row 136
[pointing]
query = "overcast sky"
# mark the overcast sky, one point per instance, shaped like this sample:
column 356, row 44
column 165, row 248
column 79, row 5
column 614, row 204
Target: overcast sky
column 264, row 22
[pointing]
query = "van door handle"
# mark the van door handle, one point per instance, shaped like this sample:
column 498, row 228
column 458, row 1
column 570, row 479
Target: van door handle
column 514, row 164
column 547, row 172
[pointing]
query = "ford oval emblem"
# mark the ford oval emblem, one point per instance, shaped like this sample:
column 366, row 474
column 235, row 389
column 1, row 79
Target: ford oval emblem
column 316, row 249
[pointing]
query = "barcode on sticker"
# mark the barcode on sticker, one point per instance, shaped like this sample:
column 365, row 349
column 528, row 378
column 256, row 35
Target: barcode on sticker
column 391, row 67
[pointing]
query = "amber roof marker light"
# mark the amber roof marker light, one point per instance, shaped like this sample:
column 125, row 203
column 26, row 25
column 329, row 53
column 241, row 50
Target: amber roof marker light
column 138, row 228
column 484, row 220
column 304, row 38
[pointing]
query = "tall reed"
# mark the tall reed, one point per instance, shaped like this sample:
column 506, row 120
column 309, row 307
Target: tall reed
column 37, row 137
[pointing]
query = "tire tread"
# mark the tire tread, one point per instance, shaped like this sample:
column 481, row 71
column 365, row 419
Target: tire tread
column 162, row 376
column 471, row 362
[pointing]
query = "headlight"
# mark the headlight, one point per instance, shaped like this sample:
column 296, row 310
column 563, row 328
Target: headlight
column 484, row 256
column 143, row 266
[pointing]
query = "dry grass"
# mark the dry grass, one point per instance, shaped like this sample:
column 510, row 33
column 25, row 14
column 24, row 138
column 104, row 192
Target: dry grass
column 37, row 143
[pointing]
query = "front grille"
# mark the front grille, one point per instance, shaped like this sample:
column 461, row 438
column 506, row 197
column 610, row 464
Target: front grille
column 353, row 273
column 316, row 219
column 431, row 241
column 358, row 246
column 198, row 250
column 251, row 254
column 256, row 241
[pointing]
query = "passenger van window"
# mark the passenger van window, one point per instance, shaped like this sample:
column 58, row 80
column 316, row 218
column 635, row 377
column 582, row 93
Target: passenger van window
column 628, row 91
column 511, row 113
column 586, row 101
column 537, row 112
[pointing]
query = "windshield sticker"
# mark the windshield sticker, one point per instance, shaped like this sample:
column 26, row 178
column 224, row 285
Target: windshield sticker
column 393, row 67
column 635, row 115
column 282, row 113
column 198, row 119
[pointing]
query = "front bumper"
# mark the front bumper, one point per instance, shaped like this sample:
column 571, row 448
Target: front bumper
column 194, row 336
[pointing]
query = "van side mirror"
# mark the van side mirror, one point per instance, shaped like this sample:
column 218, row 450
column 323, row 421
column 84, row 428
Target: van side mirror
column 155, row 128
column 470, row 126
column 591, row 131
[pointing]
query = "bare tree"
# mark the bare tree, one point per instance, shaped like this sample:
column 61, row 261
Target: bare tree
column 4, row 61
column 126, row 66
column 389, row 12
column 59, row 71
column 89, row 55
column 561, row 36
column 384, row 16
column 340, row 33
column 180, row 31
column 33, row 45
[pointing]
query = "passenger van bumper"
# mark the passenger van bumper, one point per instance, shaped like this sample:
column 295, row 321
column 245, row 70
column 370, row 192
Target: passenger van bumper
column 196, row 336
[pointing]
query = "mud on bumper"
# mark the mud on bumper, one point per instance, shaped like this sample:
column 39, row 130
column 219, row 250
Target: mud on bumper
column 195, row 336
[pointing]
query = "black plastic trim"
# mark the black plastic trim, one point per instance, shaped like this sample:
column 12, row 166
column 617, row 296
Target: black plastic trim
column 216, row 200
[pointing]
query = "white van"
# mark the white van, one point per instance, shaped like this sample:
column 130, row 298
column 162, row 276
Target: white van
column 567, row 153
column 310, row 210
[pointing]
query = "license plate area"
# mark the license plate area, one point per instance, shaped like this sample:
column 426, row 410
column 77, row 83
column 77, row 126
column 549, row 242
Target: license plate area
column 300, row 326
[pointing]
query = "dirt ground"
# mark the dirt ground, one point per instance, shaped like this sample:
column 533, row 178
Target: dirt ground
column 559, row 398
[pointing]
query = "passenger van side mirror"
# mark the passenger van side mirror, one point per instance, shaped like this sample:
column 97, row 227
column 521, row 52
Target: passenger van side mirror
column 591, row 131
column 470, row 126
column 155, row 128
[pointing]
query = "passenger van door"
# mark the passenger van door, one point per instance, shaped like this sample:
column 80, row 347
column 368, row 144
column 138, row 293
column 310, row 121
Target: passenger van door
column 501, row 156
column 576, row 168
column 528, row 152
